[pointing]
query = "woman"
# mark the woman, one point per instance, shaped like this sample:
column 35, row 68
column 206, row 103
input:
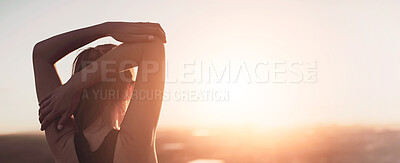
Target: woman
column 120, row 125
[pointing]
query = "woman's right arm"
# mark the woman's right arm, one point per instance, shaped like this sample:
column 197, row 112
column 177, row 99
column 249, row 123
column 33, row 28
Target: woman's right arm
column 136, row 140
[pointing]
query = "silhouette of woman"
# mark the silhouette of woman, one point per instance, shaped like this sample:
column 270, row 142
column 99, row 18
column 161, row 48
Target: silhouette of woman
column 101, row 114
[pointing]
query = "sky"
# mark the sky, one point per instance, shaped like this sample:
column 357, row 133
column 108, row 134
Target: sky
column 274, row 63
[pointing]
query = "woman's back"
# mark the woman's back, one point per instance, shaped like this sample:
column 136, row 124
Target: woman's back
column 105, row 152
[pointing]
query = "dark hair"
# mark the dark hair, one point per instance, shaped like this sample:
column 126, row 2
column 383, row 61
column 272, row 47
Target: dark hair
column 91, row 105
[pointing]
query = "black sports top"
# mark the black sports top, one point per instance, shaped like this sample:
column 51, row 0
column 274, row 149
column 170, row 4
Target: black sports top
column 104, row 154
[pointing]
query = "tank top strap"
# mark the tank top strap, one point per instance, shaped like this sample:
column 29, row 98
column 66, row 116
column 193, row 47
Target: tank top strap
column 82, row 148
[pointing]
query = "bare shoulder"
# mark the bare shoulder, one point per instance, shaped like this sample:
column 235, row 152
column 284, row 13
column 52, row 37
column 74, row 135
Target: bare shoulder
column 62, row 142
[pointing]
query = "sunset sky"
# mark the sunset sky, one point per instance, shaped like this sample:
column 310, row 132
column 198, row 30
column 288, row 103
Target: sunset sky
column 353, row 44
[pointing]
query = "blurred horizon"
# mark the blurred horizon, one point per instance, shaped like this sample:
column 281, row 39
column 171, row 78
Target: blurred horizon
column 308, row 145
column 247, row 128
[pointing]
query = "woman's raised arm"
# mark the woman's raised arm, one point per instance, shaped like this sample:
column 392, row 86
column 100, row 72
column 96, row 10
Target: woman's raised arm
column 47, row 52
column 138, row 129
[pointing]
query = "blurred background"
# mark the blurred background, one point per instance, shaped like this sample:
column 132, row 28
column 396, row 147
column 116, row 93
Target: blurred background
column 247, row 81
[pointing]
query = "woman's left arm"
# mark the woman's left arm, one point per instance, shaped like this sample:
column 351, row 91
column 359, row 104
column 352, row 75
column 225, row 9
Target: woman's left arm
column 47, row 52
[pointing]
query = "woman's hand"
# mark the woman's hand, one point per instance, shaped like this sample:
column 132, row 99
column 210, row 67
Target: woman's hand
column 132, row 32
column 62, row 101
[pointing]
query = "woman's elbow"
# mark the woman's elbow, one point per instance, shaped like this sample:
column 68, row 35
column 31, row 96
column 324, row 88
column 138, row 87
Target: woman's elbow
column 39, row 54
column 155, row 48
column 36, row 53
